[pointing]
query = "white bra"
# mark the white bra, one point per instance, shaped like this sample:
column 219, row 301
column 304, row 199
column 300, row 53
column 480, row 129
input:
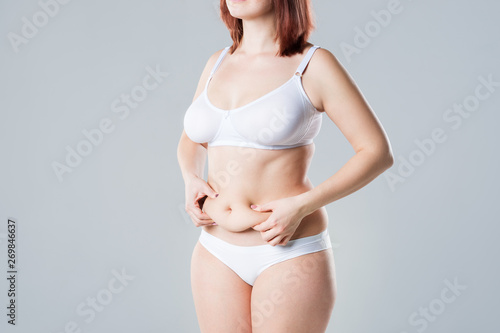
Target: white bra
column 282, row 118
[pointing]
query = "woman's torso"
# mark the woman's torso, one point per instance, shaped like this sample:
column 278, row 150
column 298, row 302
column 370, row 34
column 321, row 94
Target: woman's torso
column 246, row 176
column 259, row 151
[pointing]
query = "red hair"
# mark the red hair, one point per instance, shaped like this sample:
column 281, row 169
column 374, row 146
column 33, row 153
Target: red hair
column 294, row 23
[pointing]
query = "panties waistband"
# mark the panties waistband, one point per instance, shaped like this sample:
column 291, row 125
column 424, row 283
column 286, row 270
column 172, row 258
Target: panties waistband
column 322, row 237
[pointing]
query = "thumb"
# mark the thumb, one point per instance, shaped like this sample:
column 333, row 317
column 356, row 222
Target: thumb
column 211, row 193
column 261, row 208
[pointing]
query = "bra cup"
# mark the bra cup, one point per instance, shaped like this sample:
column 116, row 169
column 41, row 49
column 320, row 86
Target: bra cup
column 201, row 123
column 283, row 118
column 279, row 119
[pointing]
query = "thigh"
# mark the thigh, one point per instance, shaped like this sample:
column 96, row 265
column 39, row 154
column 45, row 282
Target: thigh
column 221, row 297
column 295, row 295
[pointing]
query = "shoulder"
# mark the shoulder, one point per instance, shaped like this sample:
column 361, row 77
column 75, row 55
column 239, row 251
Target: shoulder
column 328, row 76
column 213, row 58
column 324, row 62
column 209, row 64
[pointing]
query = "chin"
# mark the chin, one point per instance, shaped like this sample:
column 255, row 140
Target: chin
column 249, row 9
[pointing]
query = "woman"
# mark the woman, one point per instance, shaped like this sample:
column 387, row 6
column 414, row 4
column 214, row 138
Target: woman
column 264, row 260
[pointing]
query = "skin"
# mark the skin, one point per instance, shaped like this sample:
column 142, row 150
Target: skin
column 288, row 206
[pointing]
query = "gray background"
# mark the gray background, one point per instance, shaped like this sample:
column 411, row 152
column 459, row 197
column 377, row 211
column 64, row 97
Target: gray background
column 122, row 207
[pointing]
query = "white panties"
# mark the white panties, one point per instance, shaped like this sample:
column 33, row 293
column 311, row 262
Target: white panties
column 249, row 261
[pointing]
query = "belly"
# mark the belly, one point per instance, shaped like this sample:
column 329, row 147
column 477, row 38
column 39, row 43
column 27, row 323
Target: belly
column 246, row 176
column 233, row 214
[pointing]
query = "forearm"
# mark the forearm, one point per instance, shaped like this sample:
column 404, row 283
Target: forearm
column 360, row 170
column 191, row 157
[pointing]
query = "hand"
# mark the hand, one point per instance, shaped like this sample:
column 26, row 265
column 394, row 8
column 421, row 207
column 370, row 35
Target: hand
column 196, row 192
column 287, row 213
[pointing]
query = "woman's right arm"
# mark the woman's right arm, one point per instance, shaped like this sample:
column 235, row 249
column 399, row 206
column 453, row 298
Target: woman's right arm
column 191, row 157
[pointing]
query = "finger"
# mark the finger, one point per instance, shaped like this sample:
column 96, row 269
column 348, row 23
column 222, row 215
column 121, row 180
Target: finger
column 284, row 241
column 202, row 223
column 276, row 240
column 198, row 211
column 199, row 196
column 200, row 202
column 210, row 192
column 261, row 208
column 195, row 220
column 207, row 190
column 257, row 227
column 198, row 222
column 270, row 235
column 264, row 225
column 194, row 208
column 204, row 218
column 200, row 214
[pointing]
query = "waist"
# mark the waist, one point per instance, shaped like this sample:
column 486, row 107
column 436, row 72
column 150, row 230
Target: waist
column 235, row 218
column 246, row 176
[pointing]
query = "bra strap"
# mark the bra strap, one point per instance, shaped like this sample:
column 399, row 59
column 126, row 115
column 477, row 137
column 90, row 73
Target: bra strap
column 219, row 60
column 306, row 59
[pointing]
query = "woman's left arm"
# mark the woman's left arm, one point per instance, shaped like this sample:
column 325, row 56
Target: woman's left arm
column 344, row 104
column 346, row 107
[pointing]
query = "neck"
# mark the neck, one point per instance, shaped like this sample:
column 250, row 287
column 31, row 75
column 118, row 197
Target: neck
column 258, row 35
